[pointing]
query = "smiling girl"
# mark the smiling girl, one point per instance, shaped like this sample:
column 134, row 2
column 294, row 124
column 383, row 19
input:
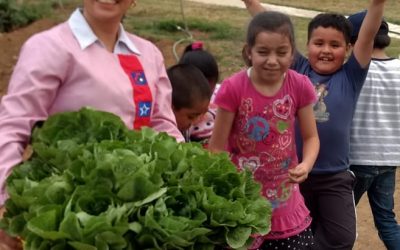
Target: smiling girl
column 255, row 124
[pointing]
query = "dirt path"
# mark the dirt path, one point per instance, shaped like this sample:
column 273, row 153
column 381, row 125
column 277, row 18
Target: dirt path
column 289, row 11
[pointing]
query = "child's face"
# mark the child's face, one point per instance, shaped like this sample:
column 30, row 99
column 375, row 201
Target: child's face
column 271, row 56
column 185, row 117
column 327, row 50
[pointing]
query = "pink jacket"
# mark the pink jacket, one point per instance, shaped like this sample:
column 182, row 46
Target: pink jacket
column 66, row 76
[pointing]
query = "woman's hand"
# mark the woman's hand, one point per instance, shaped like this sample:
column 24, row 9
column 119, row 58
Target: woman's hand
column 7, row 242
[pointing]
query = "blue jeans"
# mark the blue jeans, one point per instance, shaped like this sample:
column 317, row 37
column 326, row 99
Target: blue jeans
column 379, row 183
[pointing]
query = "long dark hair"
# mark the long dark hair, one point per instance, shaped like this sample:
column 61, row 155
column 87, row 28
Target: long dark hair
column 189, row 86
column 194, row 54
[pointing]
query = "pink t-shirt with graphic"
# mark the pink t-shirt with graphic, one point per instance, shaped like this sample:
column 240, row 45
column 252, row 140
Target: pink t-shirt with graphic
column 262, row 139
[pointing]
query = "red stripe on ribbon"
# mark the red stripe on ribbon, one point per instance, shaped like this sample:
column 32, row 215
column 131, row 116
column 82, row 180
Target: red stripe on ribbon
column 141, row 92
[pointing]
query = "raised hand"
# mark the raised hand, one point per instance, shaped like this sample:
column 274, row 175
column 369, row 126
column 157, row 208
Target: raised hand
column 254, row 6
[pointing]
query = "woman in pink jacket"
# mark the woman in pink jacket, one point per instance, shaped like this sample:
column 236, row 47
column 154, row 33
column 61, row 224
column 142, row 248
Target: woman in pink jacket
column 87, row 61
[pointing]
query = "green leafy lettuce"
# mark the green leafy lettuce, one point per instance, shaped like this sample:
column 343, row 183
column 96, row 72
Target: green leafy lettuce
column 91, row 183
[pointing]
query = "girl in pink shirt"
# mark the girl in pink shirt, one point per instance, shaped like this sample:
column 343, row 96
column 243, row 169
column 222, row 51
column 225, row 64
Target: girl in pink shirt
column 255, row 123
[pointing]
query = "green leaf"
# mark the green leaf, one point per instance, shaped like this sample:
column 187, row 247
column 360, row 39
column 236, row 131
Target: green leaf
column 237, row 237
column 81, row 246
column 111, row 240
column 70, row 226
column 137, row 189
column 45, row 225
column 151, row 197
column 135, row 227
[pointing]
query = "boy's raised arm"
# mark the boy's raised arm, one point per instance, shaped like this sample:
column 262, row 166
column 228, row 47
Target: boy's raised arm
column 254, row 7
column 364, row 45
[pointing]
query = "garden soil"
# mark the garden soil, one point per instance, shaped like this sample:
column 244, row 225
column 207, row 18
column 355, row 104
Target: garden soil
column 10, row 44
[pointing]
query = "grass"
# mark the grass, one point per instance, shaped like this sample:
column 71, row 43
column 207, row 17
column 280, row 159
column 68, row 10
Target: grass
column 221, row 28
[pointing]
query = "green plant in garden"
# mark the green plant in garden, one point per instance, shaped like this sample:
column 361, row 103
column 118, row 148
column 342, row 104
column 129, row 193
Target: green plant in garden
column 14, row 15
column 214, row 30
column 93, row 184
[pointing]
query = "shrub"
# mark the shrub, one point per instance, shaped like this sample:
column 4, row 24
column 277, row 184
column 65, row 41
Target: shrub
column 14, row 15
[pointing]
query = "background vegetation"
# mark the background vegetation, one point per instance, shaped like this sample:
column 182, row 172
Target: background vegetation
column 222, row 29
column 18, row 13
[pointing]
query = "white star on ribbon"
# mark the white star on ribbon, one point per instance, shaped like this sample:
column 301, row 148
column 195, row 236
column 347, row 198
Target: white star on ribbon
column 144, row 109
